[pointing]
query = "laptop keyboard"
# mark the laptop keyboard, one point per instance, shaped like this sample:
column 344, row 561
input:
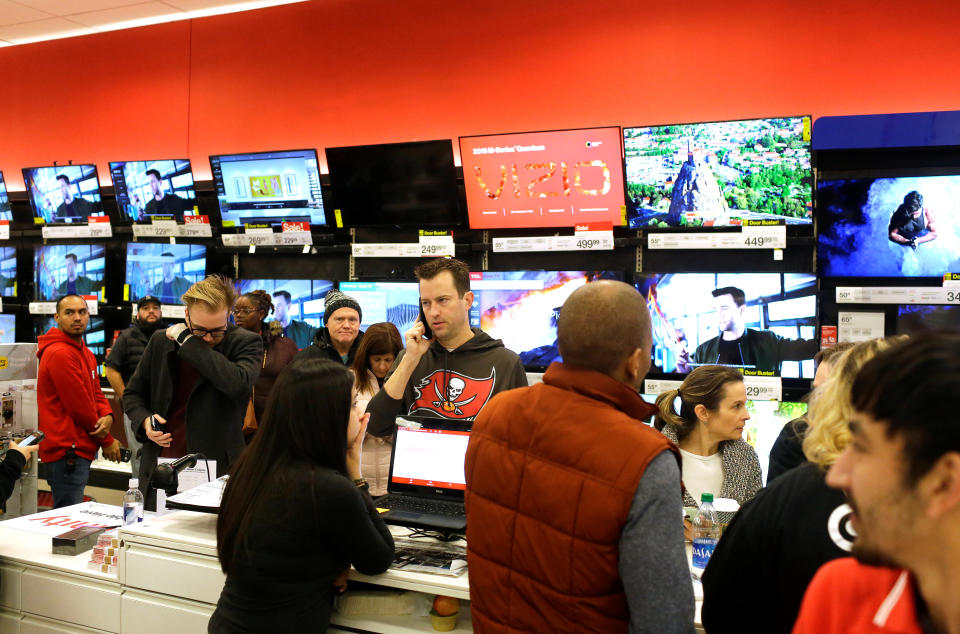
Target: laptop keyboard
column 420, row 505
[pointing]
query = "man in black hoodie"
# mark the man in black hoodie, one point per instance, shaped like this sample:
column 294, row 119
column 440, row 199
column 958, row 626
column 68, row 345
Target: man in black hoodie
column 125, row 357
column 453, row 374
column 340, row 337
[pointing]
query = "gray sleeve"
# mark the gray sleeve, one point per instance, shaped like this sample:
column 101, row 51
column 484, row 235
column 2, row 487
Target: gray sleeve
column 653, row 559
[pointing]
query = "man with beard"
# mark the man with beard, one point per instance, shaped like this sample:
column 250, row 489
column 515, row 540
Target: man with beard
column 125, row 356
column 901, row 472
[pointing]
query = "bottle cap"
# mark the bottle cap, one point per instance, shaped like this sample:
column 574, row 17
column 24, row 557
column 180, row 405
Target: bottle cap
column 134, row 483
column 706, row 497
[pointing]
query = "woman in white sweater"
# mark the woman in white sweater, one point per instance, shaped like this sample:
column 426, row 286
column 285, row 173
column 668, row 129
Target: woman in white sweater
column 378, row 350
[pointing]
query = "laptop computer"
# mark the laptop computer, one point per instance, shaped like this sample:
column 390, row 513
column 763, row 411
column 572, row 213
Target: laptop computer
column 427, row 480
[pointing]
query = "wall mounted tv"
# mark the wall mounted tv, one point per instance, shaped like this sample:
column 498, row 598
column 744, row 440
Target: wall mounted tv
column 298, row 305
column 5, row 212
column 719, row 173
column 395, row 184
column 901, row 226
column 543, row 179
column 65, row 269
column 765, row 322
column 8, row 271
column 521, row 308
column 164, row 271
column 268, row 187
column 63, row 194
column 916, row 318
column 8, row 329
column 159, row 188
column 396, row 302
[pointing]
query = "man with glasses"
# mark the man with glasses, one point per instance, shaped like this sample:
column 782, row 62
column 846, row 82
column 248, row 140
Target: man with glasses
column 190, row 392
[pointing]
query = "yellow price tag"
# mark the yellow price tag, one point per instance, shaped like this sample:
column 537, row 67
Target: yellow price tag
column 623, row 215
column 126, row 292
column 339, row 218
column 806, row 129
column 4, row 362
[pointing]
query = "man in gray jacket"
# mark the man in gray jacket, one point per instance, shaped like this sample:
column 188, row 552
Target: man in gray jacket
column 190, row 392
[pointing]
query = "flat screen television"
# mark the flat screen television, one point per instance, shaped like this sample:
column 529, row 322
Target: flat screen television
column 395, row 184
column 8, row 329
column 268, row 187
column 719, row 173
column 543, row 179
column 298, row 304
column 903, row 226
column 8, row 271
column 764, row 322
column 5, row 212
column 521, row 308
column 63, row 269
column 916, row 318
column 94, row 337
column 160, row 188
column 396, row 302
column 63, row 194
column 165, row 271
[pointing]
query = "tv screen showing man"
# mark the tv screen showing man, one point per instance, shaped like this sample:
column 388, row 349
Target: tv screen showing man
column 297, row 304
column 758, row 322
column 5, row 213
column 68, row 269
column 164, row 271
column 63, row 194
column 162, row 188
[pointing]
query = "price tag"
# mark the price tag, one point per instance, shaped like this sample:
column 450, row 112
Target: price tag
column 172, row 311
column 593, row 237
column 295, row 234
column 765, row 237
column 196, row 227
column 42, row 308
column 762, row 235
column 951, row 280
column 659, row 386
column 522, row 244
column 898, row 295
column 98, row 227
column 763, row 388
column 386, row 250
column 436, row 246
column 4, row 229
column 828, row 336
column 857, row 327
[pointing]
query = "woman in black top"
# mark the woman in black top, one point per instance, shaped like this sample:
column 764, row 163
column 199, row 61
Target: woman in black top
column 296, row 512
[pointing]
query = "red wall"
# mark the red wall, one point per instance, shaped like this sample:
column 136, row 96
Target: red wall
column 343, row 72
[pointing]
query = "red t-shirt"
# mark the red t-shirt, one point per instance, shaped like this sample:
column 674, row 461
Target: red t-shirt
column 187, row 377
column 847, row 597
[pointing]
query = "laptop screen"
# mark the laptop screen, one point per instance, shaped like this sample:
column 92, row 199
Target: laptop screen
column 430, row 458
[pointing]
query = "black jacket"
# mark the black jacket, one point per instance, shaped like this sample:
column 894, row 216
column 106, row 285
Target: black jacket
column 128, row 348
column 767, row 556
column 764, row 350
column 217, row 404
column 322, row 348
column 10, row 470
column 787, row 450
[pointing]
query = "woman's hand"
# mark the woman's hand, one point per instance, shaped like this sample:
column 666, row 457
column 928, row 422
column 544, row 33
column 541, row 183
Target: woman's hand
column 355, row 447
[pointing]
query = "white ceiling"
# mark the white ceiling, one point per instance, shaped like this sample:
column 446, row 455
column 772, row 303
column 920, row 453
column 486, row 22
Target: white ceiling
column 26, row 21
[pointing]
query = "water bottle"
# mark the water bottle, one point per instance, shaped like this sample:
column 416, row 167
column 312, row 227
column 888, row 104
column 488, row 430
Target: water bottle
column 706, row 533
column 133, row 503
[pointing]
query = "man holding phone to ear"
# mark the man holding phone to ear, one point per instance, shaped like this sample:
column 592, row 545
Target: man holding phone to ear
column 453, row 373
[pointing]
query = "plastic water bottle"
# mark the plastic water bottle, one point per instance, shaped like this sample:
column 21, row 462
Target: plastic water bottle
column 133, row 503
column 706, row 533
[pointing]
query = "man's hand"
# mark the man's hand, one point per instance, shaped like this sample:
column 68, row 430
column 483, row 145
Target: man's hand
column 355, row 448
column 340, row 581
column 174, row 331
column 103, row 426
column 112, row 452
column 26, row 451
column 161, row 438
column 416, row 345
column 683, row 361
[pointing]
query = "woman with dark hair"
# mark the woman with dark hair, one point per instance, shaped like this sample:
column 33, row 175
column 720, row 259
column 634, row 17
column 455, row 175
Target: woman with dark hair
column 278, row 351
column 378, row 350
column 295, row 512
column 705, row 417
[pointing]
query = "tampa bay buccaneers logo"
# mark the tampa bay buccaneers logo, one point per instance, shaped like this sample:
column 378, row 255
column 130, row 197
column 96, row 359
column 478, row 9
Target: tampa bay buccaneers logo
column 452, row 395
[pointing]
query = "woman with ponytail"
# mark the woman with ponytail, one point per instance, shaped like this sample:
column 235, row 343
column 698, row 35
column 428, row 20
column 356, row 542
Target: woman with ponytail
column 705, row 417
column 249, row 313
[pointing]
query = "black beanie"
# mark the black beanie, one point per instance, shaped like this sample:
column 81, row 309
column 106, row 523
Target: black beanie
column 336, row 299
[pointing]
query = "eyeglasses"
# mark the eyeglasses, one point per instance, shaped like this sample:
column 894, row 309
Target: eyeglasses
column 217, row 333
column 240, row 312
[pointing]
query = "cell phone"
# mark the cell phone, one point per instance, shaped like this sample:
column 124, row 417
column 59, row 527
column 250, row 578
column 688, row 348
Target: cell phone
column 427, row 333
column 157, row 425
column 125, row 454
column 32, row 439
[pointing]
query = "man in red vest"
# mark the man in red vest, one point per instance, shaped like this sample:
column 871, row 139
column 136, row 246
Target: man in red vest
column 574, row 513
column 901, row 473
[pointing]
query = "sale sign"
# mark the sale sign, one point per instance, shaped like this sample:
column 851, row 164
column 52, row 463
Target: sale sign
column 543, row 179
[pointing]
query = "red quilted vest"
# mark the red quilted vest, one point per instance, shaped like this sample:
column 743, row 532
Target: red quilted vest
column 551, row 473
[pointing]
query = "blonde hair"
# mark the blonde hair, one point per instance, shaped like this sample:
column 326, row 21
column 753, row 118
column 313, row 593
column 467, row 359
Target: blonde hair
column 830, row 408
column 215, row 292
column 704, row 386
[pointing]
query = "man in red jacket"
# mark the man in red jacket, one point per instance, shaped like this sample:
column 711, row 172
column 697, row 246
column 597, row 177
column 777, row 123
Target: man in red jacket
column 73, row 413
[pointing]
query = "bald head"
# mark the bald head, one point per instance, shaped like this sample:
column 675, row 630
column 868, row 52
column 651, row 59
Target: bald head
column 601, row 324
